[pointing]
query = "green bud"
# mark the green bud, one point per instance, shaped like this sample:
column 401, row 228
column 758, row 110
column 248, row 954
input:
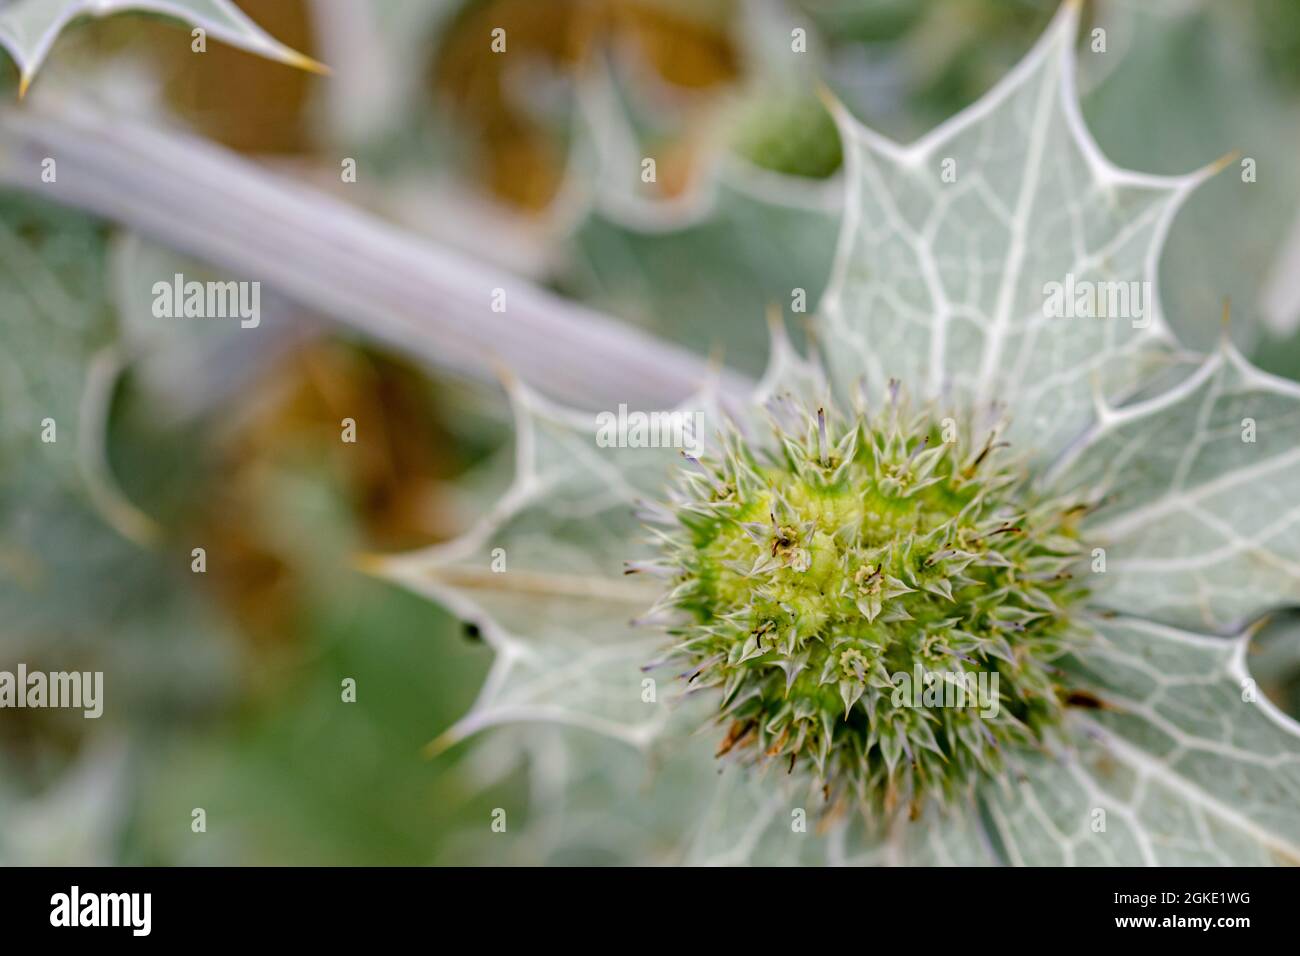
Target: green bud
column 872, row 603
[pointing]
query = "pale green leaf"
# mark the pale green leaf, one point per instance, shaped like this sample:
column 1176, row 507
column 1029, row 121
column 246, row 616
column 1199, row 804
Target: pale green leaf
column 1176, row 78
column 1198, row 498
column 1188, row 762
column 941, row 284
column 58, row 367
column 706, row 275
column 54, row 317
column 678, row 804
column 542, row 576
column 72, row 569
column 702, row 267
column 28, row 28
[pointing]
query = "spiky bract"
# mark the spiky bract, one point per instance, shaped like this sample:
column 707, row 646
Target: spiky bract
column 808, row 577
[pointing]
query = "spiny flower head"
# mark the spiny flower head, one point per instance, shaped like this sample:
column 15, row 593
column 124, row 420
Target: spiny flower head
column 878, row 599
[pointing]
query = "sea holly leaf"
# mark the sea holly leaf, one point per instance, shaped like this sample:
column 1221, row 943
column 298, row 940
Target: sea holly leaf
column 28, row 28
column 1197, row 495
column 956, row 837
column 701, row 261
column 542, row 577
column 705, row 275
column 959, row 838
column 1184, row 763
column 745, row 816
column 56, row 380
column 1165, row 102
column 54, row 317
column 950, row 245
column 682, row 806
column 63, row 519
column 677, row 808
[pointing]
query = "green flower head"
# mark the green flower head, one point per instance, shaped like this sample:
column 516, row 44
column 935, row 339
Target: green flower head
column 859, row 568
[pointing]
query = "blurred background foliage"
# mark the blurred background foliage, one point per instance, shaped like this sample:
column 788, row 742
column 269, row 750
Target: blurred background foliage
column 224, row 688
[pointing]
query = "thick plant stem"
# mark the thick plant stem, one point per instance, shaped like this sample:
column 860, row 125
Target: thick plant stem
column 340, row 261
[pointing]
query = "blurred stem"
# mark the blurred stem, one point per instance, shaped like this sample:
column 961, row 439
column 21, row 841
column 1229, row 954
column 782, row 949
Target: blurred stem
column 339, row 260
